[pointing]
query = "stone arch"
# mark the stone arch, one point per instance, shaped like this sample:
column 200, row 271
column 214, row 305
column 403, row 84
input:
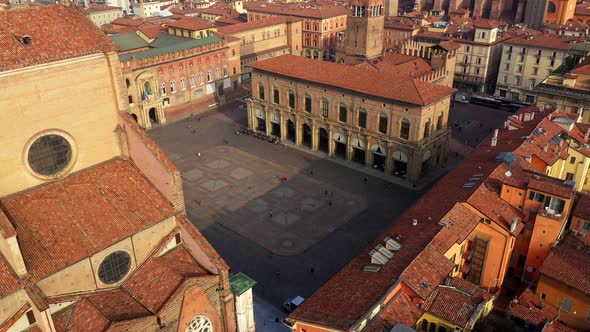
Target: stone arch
column 307, row 53
column 551, row 8
column 316, row 55
column 323, row 140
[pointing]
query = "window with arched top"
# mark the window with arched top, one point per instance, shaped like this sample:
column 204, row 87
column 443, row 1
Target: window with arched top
column 383, row 123
column 551, row 8
column 404, row 131
column 201, row 78
column 199, row 324
column 127, row 82
column 182, row 84
column 342, row 113
column 217, row 73
column 427, row 128
column 163, row 89
column 439, row 123
column 291, row 99
column 325, row 107
column 173, row 86
column 362, row 118
column 192, row 81
column 260, row 91
column 209, row 75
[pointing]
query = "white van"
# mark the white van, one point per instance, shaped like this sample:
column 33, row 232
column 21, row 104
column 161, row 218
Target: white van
column 460, row 98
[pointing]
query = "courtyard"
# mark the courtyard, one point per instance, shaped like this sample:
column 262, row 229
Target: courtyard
column 290, row 236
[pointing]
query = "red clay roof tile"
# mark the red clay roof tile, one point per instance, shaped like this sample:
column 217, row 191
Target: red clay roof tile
column 569, row 257
column 531, row 309
column 373, row 83
column 56, row 33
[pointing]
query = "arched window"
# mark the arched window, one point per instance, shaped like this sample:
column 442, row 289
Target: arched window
column 225, row 71
column 199, row 324
column 276, row 96
column 308, row 103
column 163, row 89
column 551, row 8
column 127, row 82
column 182, row 84
column 209, row 75
column 261, row 91
column 173, row 86
column 427, row 128
column 201, row 79
column 383, row 123
column 193, row 81
column 424, row 325
column 439, row 123
column 342, row 113
column 147, row 91
column 404, row 131
column 217, row 73
column 362, row 118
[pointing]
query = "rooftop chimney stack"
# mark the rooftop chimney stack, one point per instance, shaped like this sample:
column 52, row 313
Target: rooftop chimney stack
column 532, row 115
column 514, row 224
column 587, row 135
column 545, row 147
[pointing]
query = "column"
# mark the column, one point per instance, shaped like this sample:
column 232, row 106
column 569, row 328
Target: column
column 161, row 115
column 298, row 128
column 283, row 121
column 250, row 113
column 349, row 146
column 368, row 153
column 331, row 143
column 144, row 115
column 315, row 137
column 389, row 159
column 267, row 122
column 414, row 166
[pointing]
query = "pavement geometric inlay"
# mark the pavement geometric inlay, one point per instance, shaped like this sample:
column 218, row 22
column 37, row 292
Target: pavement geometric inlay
column 214, row 185
column 220, row 163
column 192, row 175
column 240, row 173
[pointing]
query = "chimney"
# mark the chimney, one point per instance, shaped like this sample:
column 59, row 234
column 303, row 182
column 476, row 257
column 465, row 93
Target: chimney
column 514, row 224
column 520, row 117
column 545, row 147
column 494, row 141
column 587, row 135
column 527, row 117
column 532, row 115
column 550, row 116
column 496, row 132
column 561, row 143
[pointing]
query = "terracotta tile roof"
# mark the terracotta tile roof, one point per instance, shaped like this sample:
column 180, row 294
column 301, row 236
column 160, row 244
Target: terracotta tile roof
column 191, row 23
column 411, row 91
column 556, row 326
column 117, row 305
column 134, row 22
column 426, row 271
column 361, row 289
column 556, row 187
column 582, row 206
column 114, row 196
column 400, row 310
column 542, row 139
column 56, row 33
column 290, row 10
column 204, row 245
column 150, row 30
column 448, row 45
column 6, row 228
column 228, row 20
column 496, row 209
column 252, row 25
column 95, row 7
column 543, row 40
column 401, row 23
column 485, row 24
column 9, row 282
column 582, row 9
column 569, row 263
column 461, row 221
column 84, row 316
column 399, row 65
column 455, row 302
column 531, row 309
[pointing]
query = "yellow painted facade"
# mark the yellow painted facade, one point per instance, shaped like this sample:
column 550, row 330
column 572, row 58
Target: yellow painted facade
column 41, row 99
column 430, row 322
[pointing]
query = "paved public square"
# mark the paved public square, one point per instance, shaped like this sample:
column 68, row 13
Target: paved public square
column 290, row 236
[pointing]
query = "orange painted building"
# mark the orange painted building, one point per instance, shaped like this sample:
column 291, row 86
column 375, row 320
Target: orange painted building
column 580, row 224
column 560, row 11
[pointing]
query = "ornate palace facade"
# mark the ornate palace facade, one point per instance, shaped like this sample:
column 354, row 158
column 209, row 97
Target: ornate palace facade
column 398, row 126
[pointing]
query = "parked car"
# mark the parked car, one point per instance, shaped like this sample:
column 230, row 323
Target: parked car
column 291, row 304
column 460, row 98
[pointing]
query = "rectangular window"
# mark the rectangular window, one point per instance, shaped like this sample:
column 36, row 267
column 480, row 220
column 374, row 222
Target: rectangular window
column 291, row 99
column 554, row 205
column 543, row 296
column 325, row 108
column 405, row 130
column 342, row 113
column 585, row 225
column 308, row 104
column 363, row 119
column 569, row 176
column 31, row 317
column 566, row 304
column 275, row 95
column 535, row 196
column 572, row 160
column 517, row 81
column 535, row 71
column 505, row 79
column 507, row 66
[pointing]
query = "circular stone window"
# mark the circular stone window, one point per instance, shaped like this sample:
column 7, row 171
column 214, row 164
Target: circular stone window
column 199, row 324
column 114, row 267
column 49, row 154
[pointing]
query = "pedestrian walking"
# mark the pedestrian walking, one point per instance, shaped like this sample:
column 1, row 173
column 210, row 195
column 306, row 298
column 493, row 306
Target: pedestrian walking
column 312, row 270
column 326, row 192
column 270, row 214
column 330, row 203
column 278, row 275
column 311, row 172
column 366, row 180
column 198, row 154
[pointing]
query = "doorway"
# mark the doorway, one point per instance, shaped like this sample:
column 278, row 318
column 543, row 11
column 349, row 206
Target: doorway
column 306, row 135
column 153, row 115
column 324, row 141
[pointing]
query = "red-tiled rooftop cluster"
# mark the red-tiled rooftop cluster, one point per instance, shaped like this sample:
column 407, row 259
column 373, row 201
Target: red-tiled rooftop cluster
column 569, row 263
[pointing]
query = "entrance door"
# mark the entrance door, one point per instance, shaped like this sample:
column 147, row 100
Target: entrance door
column 358, row 155
column 275, row 129
column 324, row 143
column 260, row 124
column 291, row 134
column 306, row 135
column 340, row 150
column 153, row 115
column 378, row 162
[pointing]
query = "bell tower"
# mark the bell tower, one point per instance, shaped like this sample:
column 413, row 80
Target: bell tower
column 363, row 39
